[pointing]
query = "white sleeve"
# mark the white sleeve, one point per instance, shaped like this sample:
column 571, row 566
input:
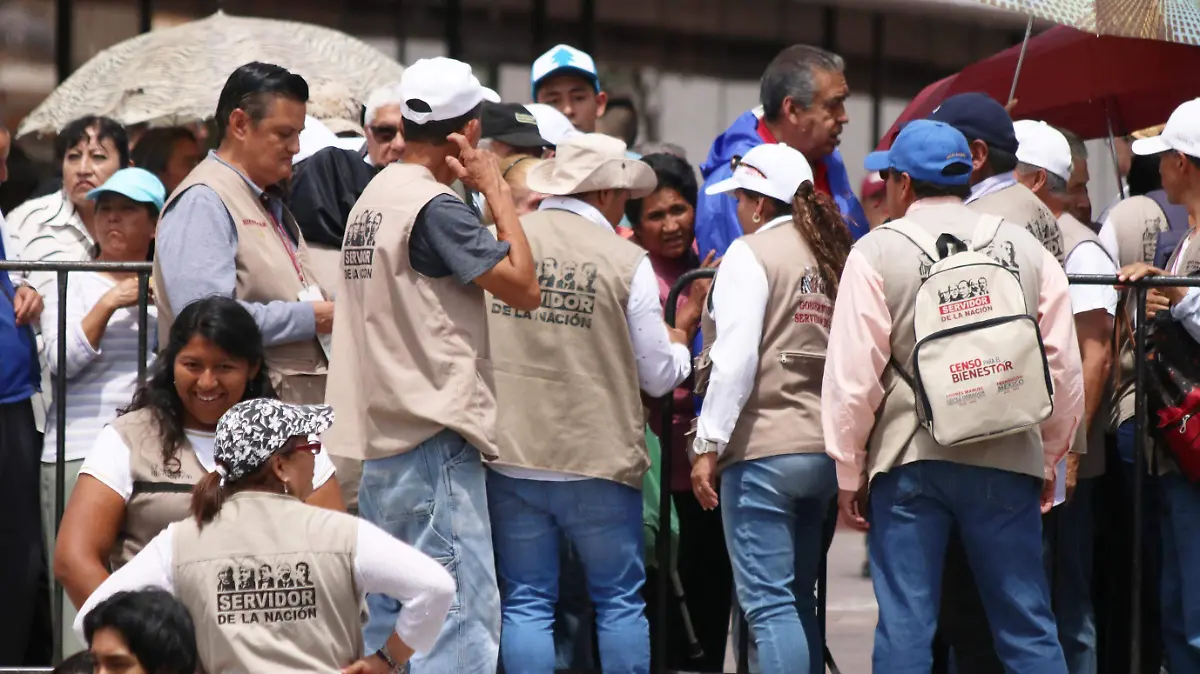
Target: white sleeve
column 661, row 364
column 1187, row 313
column 1088, row 258
column 152, row 567
column 1108, row 238
column 739, row 304
column 80, row 352
column 322, row 469
column 109, row 461
column 386, row 566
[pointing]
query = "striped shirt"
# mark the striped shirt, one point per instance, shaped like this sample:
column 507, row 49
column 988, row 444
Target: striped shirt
column 99, row 380
column 48, row 229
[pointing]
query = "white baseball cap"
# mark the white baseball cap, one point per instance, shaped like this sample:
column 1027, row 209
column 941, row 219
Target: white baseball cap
column 441, row 88
column 552, row 124
column 1043, row 146
column 1181, row 134
column 774, row 170
column 560, row 60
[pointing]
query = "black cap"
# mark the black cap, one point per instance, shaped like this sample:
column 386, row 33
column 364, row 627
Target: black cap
column 512, row 123
column 978, row 117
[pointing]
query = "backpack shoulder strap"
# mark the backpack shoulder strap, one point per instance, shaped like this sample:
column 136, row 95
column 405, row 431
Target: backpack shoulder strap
column 985, row 231
column 916, row 234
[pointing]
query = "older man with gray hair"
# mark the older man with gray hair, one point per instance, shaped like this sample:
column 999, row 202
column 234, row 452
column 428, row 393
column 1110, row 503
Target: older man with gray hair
column 803, row 94
column 385, row 125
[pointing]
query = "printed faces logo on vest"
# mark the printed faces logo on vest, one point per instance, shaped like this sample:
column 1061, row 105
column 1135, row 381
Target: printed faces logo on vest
column 1046, row 230
column 264, row 594
column 568, row 294
column 358, row 249
column 1003, row 252
column 814, row 306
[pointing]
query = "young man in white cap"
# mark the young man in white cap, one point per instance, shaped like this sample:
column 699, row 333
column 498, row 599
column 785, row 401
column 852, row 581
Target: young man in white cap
column 413, row 382
column 569, row 377
column 919, row 488
column 1178, row 149
column 566, row 78
column 765, row 333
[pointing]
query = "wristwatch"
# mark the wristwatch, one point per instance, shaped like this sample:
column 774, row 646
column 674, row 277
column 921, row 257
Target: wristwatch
column 701, row 447
column 387, row 658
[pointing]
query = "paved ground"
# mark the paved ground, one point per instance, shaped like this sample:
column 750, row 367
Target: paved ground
column 851, row 607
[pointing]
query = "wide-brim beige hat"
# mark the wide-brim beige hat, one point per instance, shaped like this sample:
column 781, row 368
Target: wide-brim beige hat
column 588, row 163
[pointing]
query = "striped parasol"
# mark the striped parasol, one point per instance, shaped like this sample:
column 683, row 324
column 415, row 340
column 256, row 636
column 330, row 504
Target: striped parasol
column 175, row 76
column 1166, row 20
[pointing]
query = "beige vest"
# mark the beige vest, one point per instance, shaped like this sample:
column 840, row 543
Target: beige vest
column 265, row 273
column 162, row 492
column 1020, row 206
column 566, row 374
column 412, row 352
column 782, row 414
column 1137, row 223
column 1089, row 441
column 897, row 437
column 270, row 585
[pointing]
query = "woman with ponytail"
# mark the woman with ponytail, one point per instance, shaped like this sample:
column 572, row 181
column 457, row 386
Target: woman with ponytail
column 138, row 475
column 272, row 584
column 766, row 329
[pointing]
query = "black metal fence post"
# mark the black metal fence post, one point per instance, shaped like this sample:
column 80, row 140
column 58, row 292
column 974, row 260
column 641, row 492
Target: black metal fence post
column 662, row 544
column 1139, row 484
column 143, row 322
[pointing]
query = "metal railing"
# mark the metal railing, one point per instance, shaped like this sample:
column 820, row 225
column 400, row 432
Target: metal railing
column 663, row 550
column 62, row 271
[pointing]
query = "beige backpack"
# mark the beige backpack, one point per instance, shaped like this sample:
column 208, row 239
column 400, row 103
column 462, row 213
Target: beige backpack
column 979, row 367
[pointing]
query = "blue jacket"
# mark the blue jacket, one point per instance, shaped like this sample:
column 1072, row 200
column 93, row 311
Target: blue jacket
column 716, row 216
column 19, row 376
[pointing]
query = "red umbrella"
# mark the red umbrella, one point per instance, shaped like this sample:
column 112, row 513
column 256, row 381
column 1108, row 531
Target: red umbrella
column 1076, row 80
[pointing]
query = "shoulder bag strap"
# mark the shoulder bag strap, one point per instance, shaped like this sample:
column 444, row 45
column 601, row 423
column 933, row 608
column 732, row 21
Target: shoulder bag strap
column 916, row 234
column 985, row 231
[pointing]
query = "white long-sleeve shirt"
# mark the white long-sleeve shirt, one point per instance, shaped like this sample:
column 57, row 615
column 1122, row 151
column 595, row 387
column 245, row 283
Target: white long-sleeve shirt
column 382, row 565
column 739, row 305
column 101, row 379
column 661, row 364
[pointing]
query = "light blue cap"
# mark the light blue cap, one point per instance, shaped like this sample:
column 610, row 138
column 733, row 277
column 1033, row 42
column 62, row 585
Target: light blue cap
column 927, row 150
column 138, row 184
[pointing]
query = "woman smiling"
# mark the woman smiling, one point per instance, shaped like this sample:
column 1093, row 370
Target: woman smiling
column 139, row 474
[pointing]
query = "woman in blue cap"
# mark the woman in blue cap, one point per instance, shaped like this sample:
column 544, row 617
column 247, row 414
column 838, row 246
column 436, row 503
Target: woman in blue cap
column 102, row 329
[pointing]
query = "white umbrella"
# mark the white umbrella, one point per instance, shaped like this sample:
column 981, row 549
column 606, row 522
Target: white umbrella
column 175, row 76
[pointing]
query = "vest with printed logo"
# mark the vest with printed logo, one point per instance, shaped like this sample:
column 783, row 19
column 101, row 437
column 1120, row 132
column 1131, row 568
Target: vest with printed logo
column 782, row 414
column 1089, row 440
column 162, row 490
column 412, row 352
column 269, row 583
column 566, row 373
column 1136, row 223
column 897, row 437
column 1018, row 205
column 265, row 273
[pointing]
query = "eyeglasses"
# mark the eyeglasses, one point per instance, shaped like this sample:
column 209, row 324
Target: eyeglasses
column 384, row 133
column 313, row 448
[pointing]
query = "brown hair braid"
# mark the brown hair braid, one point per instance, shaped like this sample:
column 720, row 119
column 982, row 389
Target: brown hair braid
column 819, row 221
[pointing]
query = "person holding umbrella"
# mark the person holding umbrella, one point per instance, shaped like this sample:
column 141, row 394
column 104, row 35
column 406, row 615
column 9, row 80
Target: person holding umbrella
column 249, row 516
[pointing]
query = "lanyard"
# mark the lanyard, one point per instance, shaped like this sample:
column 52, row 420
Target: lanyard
column 286, row 240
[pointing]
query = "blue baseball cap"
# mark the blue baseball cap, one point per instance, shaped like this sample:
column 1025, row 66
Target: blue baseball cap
column 563, row 59
column 138, row 184
column 934, row 152
column 978, row 117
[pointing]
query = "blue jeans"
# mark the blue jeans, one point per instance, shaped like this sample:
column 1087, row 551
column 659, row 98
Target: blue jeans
column 1180, row 582
column 912, row 510
column 574, row 619
column 435, row 499
column 1069, row 568
column 603, row 520
column 774, row 515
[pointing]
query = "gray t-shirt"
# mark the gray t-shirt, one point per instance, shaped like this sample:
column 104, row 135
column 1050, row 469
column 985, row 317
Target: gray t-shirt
column 448, row 239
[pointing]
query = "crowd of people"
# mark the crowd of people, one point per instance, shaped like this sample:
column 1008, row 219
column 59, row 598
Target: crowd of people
column 439, row 318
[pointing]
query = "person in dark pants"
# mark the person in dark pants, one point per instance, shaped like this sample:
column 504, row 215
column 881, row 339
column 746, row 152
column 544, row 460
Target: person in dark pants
column 20, row 528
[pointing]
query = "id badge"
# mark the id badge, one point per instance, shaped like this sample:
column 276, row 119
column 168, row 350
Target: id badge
column 312, row 293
